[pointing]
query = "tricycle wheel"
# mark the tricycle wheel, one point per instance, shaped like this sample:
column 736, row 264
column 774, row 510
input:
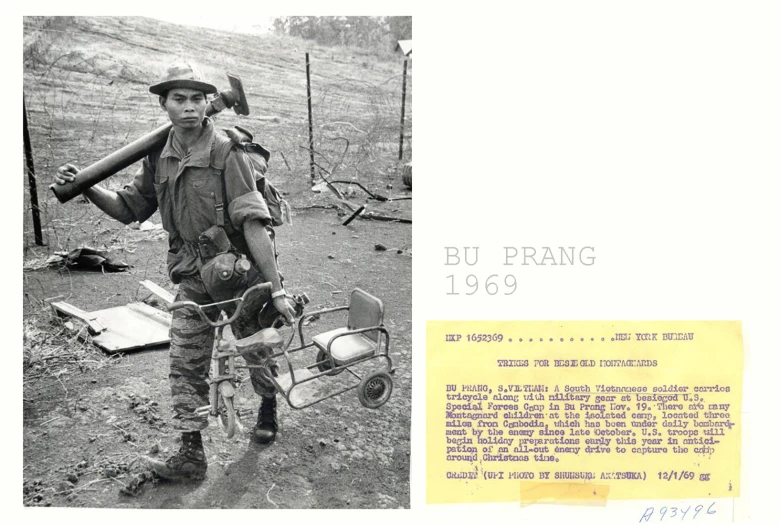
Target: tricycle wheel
column 226, row 415
column 323, row 364
column 374, row 389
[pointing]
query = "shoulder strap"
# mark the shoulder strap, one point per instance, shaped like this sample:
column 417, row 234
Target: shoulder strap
column 219, row 152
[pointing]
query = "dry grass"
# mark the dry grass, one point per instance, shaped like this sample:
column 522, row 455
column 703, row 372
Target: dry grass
column 51, row 349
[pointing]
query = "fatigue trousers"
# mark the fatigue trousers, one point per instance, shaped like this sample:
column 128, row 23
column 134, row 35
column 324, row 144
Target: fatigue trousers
column 192, row 341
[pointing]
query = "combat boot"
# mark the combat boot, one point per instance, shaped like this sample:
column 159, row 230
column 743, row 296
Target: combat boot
column 267, row 423
column 189, row 463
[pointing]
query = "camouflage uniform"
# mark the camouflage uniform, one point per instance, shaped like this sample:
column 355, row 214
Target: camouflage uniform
column 191, row 343
column 182, row 186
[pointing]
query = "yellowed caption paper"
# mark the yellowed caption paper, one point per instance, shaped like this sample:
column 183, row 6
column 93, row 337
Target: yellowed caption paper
column 583, row 411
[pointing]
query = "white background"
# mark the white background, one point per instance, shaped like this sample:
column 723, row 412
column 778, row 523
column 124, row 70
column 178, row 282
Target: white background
column 648, row 130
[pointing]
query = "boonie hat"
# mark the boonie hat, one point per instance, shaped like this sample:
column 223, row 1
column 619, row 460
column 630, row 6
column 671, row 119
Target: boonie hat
column 182, row 75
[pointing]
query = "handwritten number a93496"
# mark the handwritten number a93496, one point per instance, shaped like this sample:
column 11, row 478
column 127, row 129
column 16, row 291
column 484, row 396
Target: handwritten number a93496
column 680, row 513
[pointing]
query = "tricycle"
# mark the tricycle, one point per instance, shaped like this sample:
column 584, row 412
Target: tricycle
column 363, row 339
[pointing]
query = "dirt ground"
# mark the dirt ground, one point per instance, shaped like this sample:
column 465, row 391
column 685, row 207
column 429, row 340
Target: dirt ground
column 84, row 428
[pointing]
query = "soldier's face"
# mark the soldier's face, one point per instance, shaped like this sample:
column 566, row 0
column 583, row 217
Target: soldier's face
column 186, row 107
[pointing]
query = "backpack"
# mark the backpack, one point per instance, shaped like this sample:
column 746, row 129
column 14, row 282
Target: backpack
column 258, row 158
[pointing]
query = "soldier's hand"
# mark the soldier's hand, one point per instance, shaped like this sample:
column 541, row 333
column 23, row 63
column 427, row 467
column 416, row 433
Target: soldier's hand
column 66, row 174
column 282, row 306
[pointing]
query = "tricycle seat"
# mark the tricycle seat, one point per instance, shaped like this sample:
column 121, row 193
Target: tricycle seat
column 347, row 348
column 361, row 337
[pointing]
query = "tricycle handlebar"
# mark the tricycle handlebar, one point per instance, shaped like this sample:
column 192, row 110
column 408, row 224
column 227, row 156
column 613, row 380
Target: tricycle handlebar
column 201, row 307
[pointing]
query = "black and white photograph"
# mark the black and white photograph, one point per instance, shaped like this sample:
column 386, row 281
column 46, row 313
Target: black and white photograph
column 217, row 262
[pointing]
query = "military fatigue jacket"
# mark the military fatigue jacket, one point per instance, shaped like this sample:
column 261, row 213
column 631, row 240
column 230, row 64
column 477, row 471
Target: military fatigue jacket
column 182, row 185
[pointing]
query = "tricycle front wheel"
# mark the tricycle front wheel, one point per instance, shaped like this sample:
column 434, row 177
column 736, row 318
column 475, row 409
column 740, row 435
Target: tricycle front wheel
column 374, row 389
column 226, row 416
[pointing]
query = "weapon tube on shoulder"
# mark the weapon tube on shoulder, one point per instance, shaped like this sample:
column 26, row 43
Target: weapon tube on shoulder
column 140, row 148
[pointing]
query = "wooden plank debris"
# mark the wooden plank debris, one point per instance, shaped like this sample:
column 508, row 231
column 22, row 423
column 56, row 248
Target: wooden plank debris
column 159, row 291
column 131, row 327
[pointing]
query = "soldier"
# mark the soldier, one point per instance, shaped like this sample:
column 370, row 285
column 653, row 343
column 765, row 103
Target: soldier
column 181, row 181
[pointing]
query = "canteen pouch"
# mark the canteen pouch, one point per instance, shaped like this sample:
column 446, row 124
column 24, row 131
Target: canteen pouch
column 220, row 277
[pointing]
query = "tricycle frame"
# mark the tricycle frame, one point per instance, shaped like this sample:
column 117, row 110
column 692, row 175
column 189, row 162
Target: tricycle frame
column 382, row 351
column 222, row 375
